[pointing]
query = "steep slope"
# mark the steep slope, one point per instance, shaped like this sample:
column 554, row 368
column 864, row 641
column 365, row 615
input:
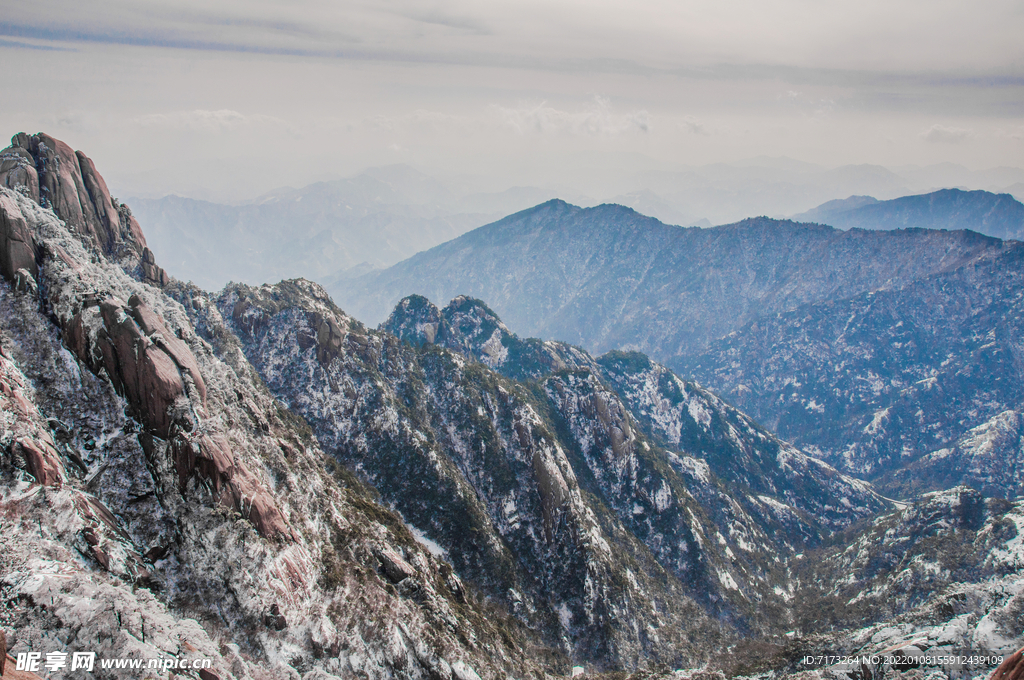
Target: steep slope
column 675, row 414
column 471, row 464
column 760, row 497
column 940, row 576
column 917, row 389
column 607, row 277
column 54, row 176
column 941, row 573
column 999, row 215
column 159, row 503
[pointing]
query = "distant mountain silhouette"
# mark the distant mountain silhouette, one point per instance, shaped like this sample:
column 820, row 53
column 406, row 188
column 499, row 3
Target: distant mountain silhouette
column 999, row 215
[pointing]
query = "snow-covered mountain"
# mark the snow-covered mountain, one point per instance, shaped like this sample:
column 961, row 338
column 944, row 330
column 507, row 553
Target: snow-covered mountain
column 917, row 388
column 158, row 502
column 255, row 477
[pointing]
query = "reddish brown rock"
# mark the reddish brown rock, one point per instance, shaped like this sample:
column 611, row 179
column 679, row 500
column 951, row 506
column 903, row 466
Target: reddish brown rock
column 10, row 671
column 1012, row 668
column 66, row 181
column 274, row 618
column 101, row 530
column 233, row 485
column 151, row 273
column 17, row 247
column 143, row 372
column 16, row 400
column 395, row 568
column 154, row 327
column 144, row 360
column 42, row 460
column 60, row 183
column 101, row 212
column 75, row 339
column 18, row 167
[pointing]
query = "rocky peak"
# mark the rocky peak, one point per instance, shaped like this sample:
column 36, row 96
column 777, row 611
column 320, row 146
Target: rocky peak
column 66, row 181
column 471, row 328
column 471, row 324
column 466, row 325
column 416, row 320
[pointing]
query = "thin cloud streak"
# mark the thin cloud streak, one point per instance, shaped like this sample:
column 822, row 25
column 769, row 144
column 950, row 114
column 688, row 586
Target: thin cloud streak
column 596, row 120
column 946, row 135
column 219, row 121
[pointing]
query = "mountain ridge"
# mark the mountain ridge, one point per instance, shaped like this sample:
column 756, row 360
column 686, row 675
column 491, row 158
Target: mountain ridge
column 1000, row 215
column 607, row 277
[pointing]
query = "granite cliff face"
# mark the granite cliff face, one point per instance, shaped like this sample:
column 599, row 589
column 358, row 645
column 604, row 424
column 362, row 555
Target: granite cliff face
column 54, row 176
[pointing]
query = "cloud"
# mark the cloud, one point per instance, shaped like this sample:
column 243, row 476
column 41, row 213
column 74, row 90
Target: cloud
column 693, row 125
column 421, row 120
column 200, row 120
column 17, row 44
column 946, row 135
column 815, row 107
column 1016, row 134
column 595, row 121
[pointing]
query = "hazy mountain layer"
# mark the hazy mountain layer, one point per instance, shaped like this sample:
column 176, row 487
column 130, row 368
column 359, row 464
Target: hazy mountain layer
column 335, row 229
column 999, row 215
column 607, row 277
column 314, row 231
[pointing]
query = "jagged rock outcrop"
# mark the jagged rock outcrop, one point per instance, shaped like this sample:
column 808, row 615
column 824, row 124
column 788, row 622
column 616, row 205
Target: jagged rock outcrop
column 17, row 247
column 470, row 327
column 161, row 380
column 53, row 175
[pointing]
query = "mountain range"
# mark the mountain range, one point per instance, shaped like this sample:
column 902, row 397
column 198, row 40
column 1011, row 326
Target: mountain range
column 344, row 227
column 256, row 477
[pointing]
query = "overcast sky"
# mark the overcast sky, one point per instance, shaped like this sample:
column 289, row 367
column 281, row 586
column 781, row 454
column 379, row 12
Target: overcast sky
column 230, row 99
